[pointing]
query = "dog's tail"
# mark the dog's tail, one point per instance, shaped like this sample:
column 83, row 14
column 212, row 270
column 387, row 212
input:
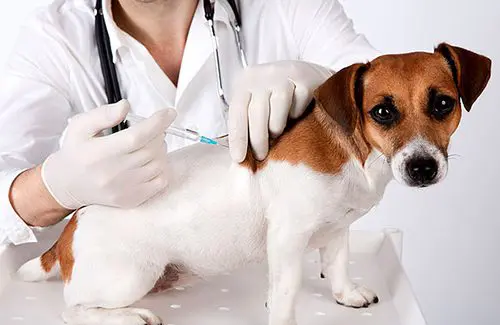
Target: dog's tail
column 41, row 268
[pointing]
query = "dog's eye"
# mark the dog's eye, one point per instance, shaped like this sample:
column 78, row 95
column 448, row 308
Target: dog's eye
column 442, row 106
column 385, row 114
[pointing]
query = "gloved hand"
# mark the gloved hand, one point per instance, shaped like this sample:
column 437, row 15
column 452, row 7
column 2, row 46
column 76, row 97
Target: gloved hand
column 264, row 97
column 123, row 169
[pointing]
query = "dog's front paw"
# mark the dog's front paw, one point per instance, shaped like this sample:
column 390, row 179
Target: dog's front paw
column 356, row 296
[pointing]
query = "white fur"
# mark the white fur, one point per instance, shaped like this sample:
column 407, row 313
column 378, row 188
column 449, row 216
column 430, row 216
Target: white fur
column 216, row 216
column 334, row 258
column 33, row 271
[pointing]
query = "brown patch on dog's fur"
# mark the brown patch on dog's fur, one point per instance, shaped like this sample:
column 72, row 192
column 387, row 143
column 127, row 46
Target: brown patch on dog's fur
column 49, row 258
column 319, row 142
column 314, row 141
column 62, row 252
column 65, row 249
column 171, row 275
column 312, row 144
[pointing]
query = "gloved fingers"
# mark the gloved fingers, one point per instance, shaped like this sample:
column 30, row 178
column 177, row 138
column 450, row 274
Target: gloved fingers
column 281, row 102
column 147, row 172
column 139, row 186
column 238, row 126
column 301, row 98
column 88, row 124
column 152, row 187
column 140, row 134
column 258, row 123
column 141, row 157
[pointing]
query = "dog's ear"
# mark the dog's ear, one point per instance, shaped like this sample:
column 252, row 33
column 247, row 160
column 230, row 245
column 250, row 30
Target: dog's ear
column 341, row 96
column 470, row 70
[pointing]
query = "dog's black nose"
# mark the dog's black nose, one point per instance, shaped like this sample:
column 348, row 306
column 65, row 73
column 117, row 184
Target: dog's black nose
column 422, row 171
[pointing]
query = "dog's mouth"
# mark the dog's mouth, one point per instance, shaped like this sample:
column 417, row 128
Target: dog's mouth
column 419, row 164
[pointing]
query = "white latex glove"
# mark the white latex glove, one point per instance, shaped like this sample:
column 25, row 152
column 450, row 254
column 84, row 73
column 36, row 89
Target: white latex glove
column 123, row 169
column 264, row 97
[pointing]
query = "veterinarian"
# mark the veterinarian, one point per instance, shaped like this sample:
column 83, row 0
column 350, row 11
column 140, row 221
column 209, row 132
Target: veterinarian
column 55, row 109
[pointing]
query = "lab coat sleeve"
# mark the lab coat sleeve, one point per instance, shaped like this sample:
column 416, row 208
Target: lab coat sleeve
column 325, row 35
column 34, row 109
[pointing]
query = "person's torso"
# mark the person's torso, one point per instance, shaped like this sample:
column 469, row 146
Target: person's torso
column 146, row 86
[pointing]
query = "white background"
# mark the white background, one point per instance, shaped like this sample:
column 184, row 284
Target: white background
column 452, row 230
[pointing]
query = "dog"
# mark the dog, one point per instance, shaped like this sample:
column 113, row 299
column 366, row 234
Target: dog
column 369, row 123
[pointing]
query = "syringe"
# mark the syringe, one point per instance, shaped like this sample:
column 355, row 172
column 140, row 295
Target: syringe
column 192, row 135
column 180, row 132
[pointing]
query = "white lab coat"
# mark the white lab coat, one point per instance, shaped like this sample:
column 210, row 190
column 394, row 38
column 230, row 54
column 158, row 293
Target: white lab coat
column 54, row 73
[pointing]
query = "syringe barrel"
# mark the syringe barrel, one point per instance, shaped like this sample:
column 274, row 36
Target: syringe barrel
column 183, row 133
column 173, row 130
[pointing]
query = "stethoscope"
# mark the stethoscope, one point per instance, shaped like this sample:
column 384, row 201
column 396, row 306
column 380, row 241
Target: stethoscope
column 111, row 84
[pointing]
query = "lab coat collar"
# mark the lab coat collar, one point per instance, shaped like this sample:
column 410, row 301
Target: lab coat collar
column 117, row 37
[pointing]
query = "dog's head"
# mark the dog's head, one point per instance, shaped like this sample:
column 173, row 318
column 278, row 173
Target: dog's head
column 407, row 106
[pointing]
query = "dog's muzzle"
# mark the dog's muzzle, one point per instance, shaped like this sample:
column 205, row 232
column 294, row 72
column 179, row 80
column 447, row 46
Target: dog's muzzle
column 419, row 164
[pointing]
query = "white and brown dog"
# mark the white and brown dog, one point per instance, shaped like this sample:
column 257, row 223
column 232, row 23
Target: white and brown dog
column 369, row 123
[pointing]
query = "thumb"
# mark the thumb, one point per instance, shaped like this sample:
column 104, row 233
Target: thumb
column 91, row 123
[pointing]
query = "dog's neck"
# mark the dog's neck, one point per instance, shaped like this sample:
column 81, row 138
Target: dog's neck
column 355, row 144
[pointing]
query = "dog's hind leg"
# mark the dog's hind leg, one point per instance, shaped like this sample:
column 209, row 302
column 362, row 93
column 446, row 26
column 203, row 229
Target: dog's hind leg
column 103, row 287
column 79, row 315
column 334, row 265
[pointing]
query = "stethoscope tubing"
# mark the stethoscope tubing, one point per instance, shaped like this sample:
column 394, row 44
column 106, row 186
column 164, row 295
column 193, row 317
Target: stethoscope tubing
column 112, row 86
